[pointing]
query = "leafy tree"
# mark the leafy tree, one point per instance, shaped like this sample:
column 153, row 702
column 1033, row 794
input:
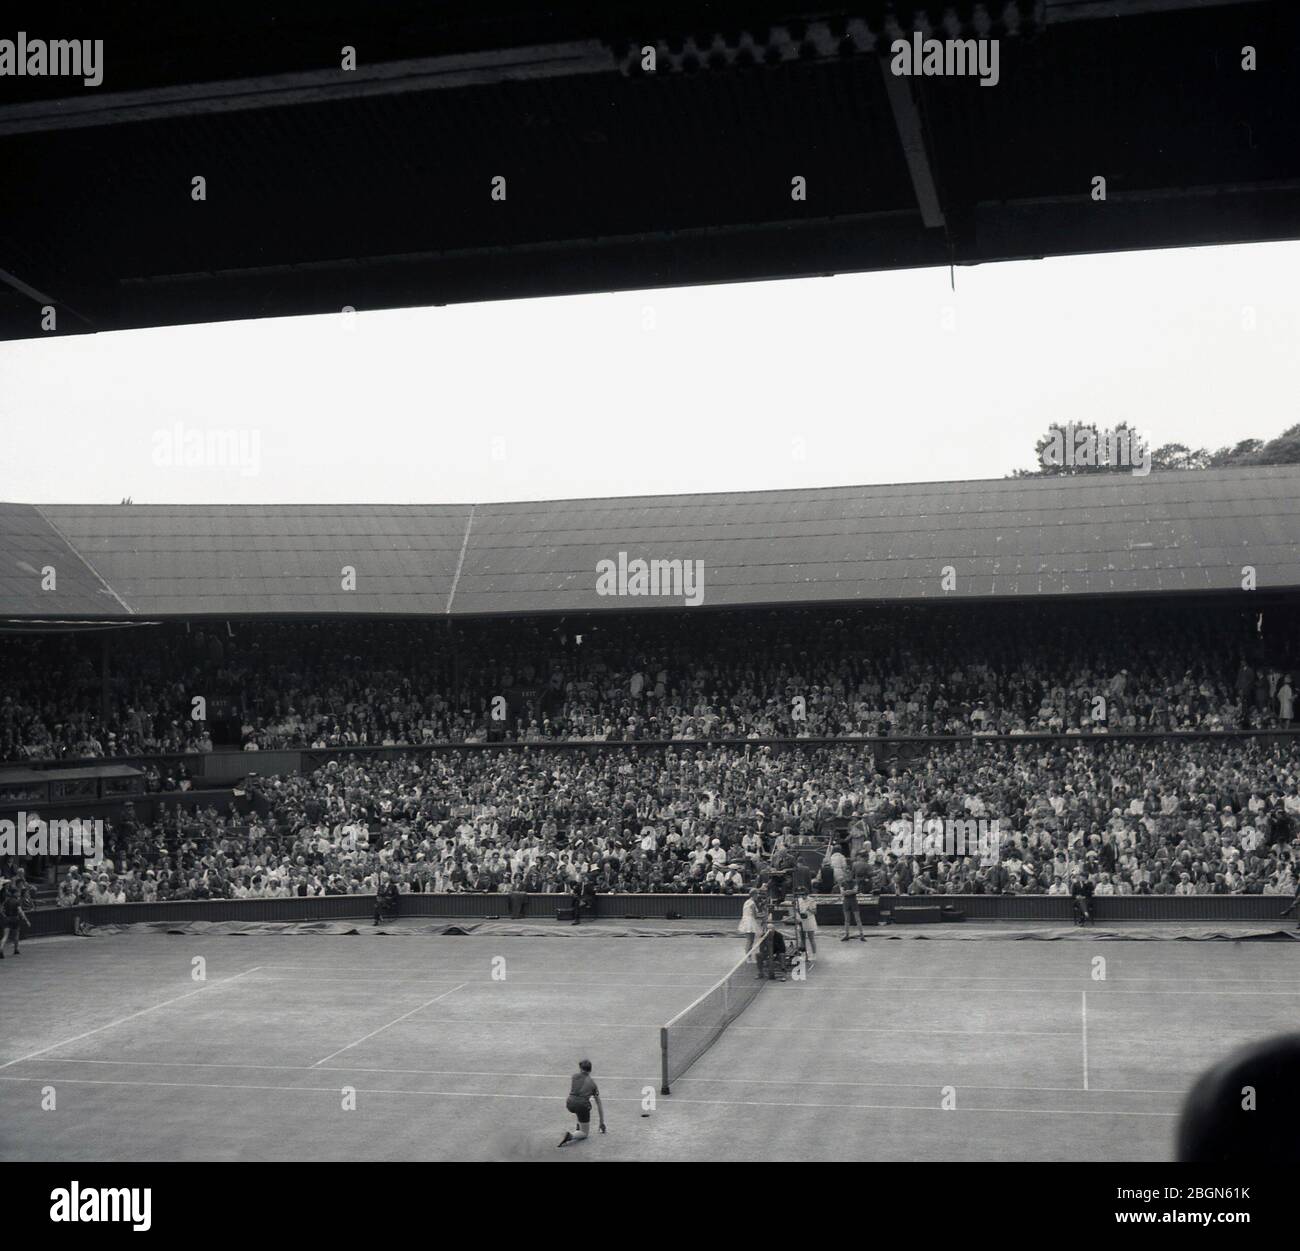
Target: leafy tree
column 1049, row 447
column 1283, row 450
column 1235, row 455
column 1179, row 456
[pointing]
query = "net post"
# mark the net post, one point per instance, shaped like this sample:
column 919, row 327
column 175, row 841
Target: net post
column 717, row 1007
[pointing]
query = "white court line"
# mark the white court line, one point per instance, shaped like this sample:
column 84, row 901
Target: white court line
column 487, row 981
column 448, row 1021
column 518, row 983
column 604, row 1077
column 583, row 983
column 1027, row 986
column 670, row 1101
column 438, row 972
column 1084, row 1007
column 225, row 981
column 1072, row 980
column 752, row 1081
column 758, row 1029
column 198, row 1064
column 1051, row 990
column 390, row 1024
column 1039, row 981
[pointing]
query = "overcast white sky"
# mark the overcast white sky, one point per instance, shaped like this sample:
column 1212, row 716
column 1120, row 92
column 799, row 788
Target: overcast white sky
column 823, row 382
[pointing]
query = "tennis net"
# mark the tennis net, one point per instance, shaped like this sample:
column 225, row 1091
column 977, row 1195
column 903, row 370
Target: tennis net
column 695, row 1029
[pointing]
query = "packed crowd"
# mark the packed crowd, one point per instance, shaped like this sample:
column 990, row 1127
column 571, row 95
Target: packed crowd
column 988, row 669
column 1139, row 817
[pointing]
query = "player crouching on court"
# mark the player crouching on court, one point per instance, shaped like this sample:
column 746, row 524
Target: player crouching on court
column 582, row 1090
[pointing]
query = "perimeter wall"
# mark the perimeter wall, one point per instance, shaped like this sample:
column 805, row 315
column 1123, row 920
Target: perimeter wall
column 722, row 910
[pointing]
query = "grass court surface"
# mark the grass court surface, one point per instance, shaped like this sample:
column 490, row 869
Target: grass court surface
column 1044, row 1062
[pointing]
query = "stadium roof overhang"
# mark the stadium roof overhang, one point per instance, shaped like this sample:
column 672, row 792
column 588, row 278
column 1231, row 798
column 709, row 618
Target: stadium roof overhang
column 372, row 188
column 1112, row 534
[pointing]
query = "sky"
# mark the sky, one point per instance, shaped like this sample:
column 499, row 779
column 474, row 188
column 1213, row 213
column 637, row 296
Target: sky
column 867, row 378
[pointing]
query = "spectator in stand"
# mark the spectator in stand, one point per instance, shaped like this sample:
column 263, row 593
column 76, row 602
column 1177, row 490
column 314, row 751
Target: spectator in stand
column 996, row 670
column 1286, row 702
column 1082, row 890
column 1152, row 816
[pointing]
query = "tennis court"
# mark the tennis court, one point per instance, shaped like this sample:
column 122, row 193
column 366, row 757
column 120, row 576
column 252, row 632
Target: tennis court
column 461, row 1047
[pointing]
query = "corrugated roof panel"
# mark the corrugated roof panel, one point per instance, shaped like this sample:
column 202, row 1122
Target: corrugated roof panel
column 28, row 544
column 183, row 560
column 1075, row 536
column 1094, row 534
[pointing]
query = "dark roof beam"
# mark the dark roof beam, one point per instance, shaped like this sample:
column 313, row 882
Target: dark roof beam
column 471, row 69
column 39, row 296
column 907, row 121
column 1058, row 11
